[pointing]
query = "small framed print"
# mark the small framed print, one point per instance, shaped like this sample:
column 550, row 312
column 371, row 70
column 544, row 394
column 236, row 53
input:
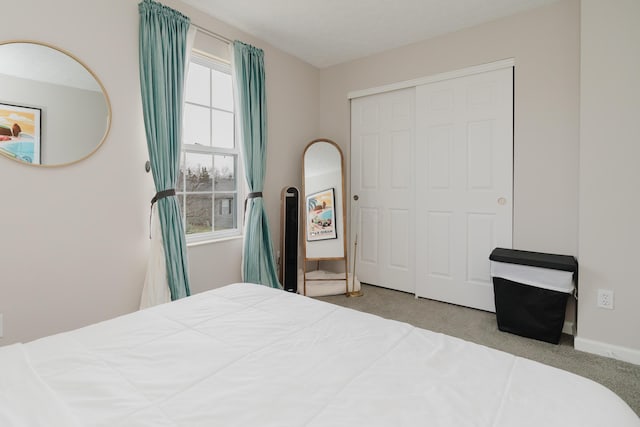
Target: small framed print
column 20, row 132
column 321, row 215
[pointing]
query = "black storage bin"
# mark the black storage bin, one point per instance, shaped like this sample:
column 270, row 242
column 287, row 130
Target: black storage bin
column 531, row 291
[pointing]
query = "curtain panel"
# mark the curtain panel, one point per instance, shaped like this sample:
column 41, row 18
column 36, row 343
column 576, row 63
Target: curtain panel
column 258, row 262
column 163, row 55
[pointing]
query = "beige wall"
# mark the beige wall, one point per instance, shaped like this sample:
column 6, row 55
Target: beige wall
column 610, row 177
column 545, row 45
column 75, row 239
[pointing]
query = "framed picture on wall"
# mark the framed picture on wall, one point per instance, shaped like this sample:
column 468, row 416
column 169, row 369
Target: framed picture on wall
column 20, row 132
column 321, row 215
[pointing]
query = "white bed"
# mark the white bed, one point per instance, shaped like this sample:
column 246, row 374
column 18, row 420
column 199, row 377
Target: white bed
column 247, row 355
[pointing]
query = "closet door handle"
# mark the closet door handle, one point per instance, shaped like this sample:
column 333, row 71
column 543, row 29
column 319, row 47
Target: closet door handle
column 356, row 197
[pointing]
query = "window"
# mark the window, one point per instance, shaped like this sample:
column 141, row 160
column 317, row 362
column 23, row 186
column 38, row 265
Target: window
column 209, row 186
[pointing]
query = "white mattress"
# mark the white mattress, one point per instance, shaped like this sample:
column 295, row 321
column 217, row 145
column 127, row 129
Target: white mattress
column 248, row 355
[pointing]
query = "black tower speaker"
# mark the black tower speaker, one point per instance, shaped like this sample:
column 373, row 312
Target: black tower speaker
column 289, row 241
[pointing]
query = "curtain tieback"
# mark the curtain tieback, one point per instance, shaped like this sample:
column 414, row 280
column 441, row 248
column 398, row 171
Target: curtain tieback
column 252, row 195
column 162, row 194
column 159, row 195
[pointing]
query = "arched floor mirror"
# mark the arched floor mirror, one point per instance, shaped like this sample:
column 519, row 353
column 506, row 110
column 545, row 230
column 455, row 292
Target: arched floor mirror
column 323, row 209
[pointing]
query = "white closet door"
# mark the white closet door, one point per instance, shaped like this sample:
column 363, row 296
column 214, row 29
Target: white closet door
column 382, row 179
column 464, row 185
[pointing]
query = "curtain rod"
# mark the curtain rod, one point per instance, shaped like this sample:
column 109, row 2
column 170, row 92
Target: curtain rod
column 212, row 34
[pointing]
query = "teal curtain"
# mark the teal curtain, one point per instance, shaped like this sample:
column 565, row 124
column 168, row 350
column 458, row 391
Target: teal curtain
column 163, row 40
column 258, row 263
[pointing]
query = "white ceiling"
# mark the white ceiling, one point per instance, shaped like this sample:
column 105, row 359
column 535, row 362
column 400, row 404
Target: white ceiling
column 329, row 32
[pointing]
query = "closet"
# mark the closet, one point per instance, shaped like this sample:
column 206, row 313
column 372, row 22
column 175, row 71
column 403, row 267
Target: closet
column 432, row 182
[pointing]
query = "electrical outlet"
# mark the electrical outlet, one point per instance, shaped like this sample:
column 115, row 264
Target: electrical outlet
column 605, row 298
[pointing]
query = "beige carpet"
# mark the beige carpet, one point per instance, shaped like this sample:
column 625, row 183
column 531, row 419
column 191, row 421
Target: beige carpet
column 480, row 327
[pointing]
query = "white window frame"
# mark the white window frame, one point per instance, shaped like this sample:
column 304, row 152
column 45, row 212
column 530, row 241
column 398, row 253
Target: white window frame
column 208, row 61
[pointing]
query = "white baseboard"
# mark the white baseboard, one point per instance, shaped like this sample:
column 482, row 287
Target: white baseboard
column 568, row 328
column 608, row 350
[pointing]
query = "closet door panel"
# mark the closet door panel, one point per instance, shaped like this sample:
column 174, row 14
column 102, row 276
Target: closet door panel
column 383, row 181
column 464, row 133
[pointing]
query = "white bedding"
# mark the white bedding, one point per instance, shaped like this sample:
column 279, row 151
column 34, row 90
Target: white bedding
column 247, row 355
column 25, row 400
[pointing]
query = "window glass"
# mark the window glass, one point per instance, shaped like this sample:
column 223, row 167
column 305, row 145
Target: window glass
column 198, row 170
column 221, row 86
column 222, row 129
column 196, row 125
column 197, row 89
column 225, row 199
column 199, row 216
column 225, row 218
column 224, row 166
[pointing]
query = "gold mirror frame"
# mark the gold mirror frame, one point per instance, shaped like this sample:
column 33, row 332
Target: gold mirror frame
column 343, row 228
column 102, row 89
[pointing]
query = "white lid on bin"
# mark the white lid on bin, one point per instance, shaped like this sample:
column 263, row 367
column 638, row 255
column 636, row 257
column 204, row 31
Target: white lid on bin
column 545, row 278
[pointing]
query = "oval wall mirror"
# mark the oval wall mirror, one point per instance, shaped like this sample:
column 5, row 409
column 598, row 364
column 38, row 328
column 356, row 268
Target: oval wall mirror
column 53, row 110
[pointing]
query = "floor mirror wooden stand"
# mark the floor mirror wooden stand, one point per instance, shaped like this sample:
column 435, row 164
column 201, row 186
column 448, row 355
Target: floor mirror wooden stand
column 323, row 213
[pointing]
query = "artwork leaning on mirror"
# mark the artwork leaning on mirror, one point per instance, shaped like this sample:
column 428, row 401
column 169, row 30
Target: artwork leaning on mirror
column 53, row 110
